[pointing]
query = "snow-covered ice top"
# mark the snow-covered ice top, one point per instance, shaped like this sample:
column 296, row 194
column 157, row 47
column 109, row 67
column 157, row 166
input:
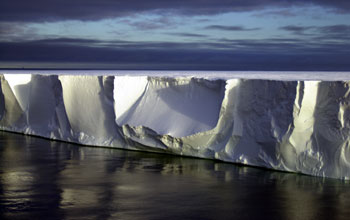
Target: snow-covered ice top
column 273, row 75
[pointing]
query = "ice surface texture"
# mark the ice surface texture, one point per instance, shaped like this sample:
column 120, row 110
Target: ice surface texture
column 298, row 126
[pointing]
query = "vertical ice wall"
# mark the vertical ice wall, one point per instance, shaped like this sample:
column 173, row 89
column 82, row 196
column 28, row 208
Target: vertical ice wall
column 88, row 102
column 34, row 105
column 299, row 126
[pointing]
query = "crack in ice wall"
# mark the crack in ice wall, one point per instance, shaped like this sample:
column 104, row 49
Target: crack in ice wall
column 298, row 126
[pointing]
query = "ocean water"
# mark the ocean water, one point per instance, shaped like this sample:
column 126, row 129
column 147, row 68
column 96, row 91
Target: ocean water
column 43, row 179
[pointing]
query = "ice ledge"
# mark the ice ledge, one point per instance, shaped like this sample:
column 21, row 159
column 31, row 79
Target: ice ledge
column 298, row 126
column 267, row 75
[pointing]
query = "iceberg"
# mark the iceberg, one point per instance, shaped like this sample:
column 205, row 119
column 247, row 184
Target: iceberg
column 282, row 121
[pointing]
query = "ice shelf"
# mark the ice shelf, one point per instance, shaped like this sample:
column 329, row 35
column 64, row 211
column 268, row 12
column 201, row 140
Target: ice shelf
column 283, row 124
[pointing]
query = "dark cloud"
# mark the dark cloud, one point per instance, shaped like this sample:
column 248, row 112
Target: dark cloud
column 202, row 20
column 162, row 22
column 220, row 55
column 285, row 12
column 339, row 29
column 188, row 35
column 339, row 32
column 6, row 29
column 299, row 30
column 342, row 6
column 44, row 10
column 335, row 33
column 229, row 28
column 78, row 41
column 10, row 30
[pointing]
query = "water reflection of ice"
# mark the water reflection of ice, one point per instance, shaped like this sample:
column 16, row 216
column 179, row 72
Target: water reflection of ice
column 41, row 178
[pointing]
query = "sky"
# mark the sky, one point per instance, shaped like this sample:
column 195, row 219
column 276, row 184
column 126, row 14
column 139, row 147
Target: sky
column 310, row 35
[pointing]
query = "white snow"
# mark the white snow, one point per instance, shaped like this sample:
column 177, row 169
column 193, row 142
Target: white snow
column 269, row 75
column 292, row 121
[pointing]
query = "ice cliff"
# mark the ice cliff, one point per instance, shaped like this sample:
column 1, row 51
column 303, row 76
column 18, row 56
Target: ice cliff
column 291, row 125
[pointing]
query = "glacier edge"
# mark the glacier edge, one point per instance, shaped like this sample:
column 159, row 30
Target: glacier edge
column 296, row 126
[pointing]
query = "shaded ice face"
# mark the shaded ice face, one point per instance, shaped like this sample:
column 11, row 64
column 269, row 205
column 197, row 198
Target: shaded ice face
column 179, row 107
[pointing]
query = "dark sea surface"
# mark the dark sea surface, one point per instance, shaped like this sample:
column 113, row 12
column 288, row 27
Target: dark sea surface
column 42, row 179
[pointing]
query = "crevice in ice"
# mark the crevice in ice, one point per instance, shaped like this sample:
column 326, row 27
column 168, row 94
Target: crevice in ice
column 13, row 117
column 2, row 100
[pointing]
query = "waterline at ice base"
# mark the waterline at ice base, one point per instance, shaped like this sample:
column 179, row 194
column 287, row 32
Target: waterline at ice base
column 296, row 122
